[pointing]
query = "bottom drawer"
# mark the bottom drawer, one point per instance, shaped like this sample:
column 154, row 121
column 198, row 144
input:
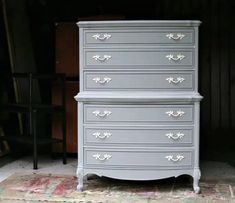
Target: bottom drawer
column 138, row 158
column 139, row 136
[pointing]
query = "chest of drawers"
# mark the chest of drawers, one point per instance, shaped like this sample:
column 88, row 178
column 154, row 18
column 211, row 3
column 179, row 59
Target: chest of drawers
column 138, row 105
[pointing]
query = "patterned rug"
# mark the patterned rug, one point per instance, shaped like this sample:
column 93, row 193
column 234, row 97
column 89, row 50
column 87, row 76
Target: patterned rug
column 62, row 188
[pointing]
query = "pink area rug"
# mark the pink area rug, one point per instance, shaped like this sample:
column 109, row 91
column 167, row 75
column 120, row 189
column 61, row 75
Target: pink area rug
column 62, row 188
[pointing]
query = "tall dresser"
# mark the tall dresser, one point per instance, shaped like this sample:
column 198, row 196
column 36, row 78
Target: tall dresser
column 138, row 102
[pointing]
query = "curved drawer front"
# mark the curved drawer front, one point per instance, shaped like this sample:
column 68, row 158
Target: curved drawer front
column 141, row 159
column 139, row 37
column 129, row 136
column 139, row 58
column 138, row 113
column 139, row 81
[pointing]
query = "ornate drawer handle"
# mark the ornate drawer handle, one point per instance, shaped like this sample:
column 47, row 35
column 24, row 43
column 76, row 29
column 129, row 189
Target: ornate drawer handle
column 105, row 80
column 175, row 81
column 178, row 113
column 105, row 157
column 177, row 36
column 102, row 115
column 105, row 135
column 102, row 59
column 177, row 136
column 171, row 158
column 175, row 58
column 102, row 38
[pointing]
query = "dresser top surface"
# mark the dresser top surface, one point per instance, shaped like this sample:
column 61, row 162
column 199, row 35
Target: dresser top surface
column 140, row 23
column 138, row 96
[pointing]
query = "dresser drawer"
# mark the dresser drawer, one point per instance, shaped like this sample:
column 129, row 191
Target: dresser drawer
column 138, row 80
column 162, row 36
column 138, row 136
column 138, row 158
column 138, row 113
column 138, row 59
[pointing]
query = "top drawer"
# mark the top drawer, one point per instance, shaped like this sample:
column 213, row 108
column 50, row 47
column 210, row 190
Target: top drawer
column 122, row 37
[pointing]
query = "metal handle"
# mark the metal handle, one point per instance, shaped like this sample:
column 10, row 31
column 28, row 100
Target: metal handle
column 175, row 58
column 105, row 157
column 177, row 136
column 102, row 59
column 177, row 36
column 176, row 159
column 100, row 81
column 175, row 81
column 178, row 113
column 104, row 136
column 102, row 115
column 101, row 37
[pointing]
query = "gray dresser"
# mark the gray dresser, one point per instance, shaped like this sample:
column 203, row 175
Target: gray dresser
column 138, row 105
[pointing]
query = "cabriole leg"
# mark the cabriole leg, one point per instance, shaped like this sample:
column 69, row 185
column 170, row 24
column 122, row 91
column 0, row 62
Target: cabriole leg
column 80, row 179
column 196, row 178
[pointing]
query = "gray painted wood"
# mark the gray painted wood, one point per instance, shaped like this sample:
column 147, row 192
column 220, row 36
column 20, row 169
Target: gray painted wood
column 127, row 110
column 127, row 158
column 165, row 81
column 137, row 174
column 137, row 58
column 138, row 37
column 138, row 136
column 139, row 23
column 143, row 97
column 138, row 113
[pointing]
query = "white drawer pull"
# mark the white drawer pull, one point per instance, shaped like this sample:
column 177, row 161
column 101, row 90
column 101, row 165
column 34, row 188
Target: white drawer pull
column 177, row 36
column 175, row 81
column 103, row 37
column 105, row 157
column 104, row 136
column 102, row 59
column 175, row 58
column 102, row 115
column 176, row 159
column 100, row 81
column 178, row 113
column 177, row 136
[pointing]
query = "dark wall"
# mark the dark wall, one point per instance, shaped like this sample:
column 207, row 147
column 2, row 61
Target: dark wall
column 217, row 50
column 217, row 75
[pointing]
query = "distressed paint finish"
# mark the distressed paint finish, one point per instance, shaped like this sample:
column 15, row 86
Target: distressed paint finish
column 144, row 87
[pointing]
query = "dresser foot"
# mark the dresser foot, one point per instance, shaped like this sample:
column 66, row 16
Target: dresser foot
column 197, row 189
column 196, row 178
column 80, row 183
column 80, row 179
column 79, row 188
